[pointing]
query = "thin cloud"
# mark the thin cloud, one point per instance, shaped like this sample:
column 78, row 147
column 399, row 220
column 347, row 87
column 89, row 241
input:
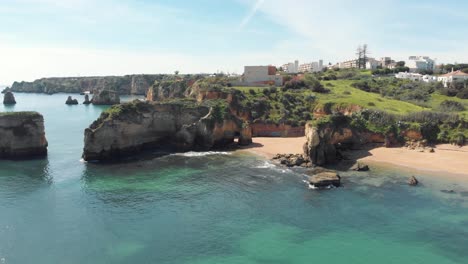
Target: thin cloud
column 253, row 11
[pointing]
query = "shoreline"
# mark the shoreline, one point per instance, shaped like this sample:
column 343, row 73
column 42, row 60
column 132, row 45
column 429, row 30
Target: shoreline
column 446, row 160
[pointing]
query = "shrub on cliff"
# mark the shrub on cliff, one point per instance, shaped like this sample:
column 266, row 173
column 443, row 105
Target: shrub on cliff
column 463, row 94
column 451, row 106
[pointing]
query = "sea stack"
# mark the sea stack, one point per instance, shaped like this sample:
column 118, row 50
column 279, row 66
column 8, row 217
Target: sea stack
column 71, row 101
column 22, row 135
column 9, row 98
column 105, row 97
column 86, row 100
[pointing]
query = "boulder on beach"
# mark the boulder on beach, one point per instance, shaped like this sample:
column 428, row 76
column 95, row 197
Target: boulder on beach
column 87, row 101
column 322, row 178
column 292, row 160
column 9, row 98
column 413, row 181
column 71, row 101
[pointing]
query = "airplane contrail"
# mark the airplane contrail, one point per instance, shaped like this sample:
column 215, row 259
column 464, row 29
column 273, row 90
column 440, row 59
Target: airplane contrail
column 251, row 13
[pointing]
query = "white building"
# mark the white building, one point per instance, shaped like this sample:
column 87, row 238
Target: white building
column 316, row 66
column 420, row 63
column 454, row 76
column 416, row 77
column 409, row 76
column 372, row 64
column 291, row 67
column 261, row 75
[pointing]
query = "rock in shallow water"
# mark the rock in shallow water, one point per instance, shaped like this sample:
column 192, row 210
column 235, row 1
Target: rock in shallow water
column 71, row 101
column 87, row 101
column 22, row 135
column 106, row 97
column 413, row 181
column 9, row 98
column 324, row 178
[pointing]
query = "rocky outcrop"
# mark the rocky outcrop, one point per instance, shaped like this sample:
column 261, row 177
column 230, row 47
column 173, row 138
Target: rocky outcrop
column 22, row 135
column 105, row 97
column 9, row 98
column 71, row 101
column 86, row 101
column 183, row 125
column 322, row 178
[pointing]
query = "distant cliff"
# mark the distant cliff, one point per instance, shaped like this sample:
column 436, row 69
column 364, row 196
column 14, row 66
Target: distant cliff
column 22, row 135
column 124, row 85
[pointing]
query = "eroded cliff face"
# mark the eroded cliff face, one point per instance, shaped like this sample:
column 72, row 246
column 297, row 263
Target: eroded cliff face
column 22, row 135
column 133, row 127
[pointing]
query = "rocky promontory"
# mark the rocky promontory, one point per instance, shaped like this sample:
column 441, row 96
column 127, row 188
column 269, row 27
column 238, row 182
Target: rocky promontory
column 106, row 97
column 22, row 135
column 180, row 124
column 9, row 98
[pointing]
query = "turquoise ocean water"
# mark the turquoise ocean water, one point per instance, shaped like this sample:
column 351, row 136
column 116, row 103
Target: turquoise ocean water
column 213, row 208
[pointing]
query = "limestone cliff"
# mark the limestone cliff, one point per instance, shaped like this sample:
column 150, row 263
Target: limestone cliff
column 22, row 135
column 183, row 124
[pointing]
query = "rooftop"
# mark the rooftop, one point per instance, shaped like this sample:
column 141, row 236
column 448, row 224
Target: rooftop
column 455, row 73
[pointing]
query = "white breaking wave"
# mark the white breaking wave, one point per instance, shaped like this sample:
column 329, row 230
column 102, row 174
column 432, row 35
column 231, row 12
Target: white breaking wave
column 271, row 166
column 201, row 154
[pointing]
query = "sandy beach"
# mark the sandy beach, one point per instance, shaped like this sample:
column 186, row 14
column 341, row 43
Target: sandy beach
column 446, row 158
column 269, row 147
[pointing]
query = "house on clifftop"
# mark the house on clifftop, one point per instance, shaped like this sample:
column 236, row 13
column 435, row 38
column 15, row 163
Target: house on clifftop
column 454, row 76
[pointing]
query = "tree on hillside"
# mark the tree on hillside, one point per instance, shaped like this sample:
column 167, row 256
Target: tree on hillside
column 362, row 53
column 401, row 64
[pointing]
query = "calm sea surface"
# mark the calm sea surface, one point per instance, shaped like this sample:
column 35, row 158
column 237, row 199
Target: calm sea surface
column 213, row 208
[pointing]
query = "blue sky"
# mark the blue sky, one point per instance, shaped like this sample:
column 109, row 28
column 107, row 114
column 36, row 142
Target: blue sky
column 44, row 38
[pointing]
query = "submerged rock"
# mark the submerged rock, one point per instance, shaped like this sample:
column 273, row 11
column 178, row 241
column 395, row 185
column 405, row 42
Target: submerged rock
column 105, row 97
column 86, row 101
column 129, row 128
column 9, row 98
column 22, row 135
column 323, row 178
column 413, row 181
column 71, row 101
